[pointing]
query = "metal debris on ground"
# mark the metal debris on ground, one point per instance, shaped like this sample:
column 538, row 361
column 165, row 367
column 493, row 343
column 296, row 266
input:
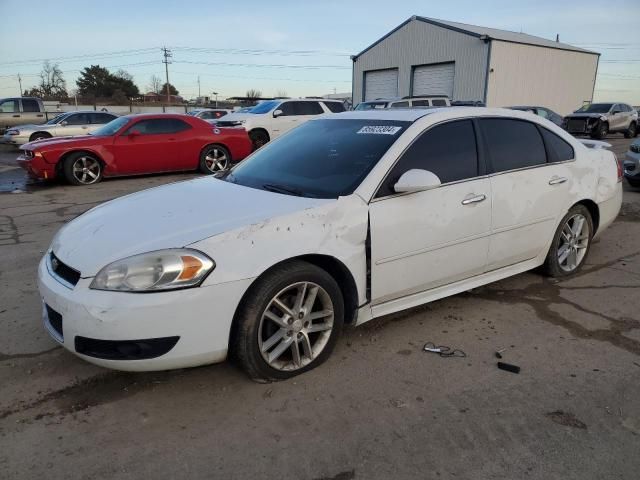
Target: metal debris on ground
column 508, row 367
column 443, row 350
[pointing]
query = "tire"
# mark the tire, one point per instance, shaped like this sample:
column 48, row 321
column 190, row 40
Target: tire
column 632, row 131
column 601, row 131
column 634, row 183
column 259, row 138
column 214, row 159
column 39, row 136
column 256, row 337
column 82, row 169
column 578, row 242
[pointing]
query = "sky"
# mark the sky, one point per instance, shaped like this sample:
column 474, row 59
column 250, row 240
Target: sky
column 297, row 48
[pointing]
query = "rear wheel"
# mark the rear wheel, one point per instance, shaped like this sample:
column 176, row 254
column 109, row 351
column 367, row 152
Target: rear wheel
column 82, row 169
column 259, row 138
column 634, row 183
column 288, row 322
column 632, row 131
column 215, row 159
column 571, row 243
column 601, row 131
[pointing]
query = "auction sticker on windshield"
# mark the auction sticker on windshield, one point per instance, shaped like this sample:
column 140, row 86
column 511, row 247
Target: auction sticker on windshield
column 379, row 130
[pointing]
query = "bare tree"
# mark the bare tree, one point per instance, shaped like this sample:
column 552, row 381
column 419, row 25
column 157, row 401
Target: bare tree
column 155, row 84
column 52, row 83
column 253, row 94
column 281, row 93
column 124, row 75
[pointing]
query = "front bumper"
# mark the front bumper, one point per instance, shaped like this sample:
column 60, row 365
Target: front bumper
column 580, row 125
column 36, row 167
column 201, row 318
column 14, row 139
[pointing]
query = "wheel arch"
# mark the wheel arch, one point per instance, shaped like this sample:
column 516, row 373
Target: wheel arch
column 334, row 267
column 66, row 155
column 262, row 130
column 41, row 132
column 594, row 211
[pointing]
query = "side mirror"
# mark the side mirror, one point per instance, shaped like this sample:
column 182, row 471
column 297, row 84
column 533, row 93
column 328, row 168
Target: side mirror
column 615, row 112
column 134, row 133
column 64, row 123
column 277, row 113
column 416, row 180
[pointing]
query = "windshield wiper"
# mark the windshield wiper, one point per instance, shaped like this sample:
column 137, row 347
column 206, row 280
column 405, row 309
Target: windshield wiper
column 282, row 189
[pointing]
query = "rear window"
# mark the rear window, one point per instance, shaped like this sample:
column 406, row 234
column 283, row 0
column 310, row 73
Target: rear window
column 557, row 149
column 400, row 105
column 512, row 144
column 335, row 107
column 29, row 105
column 321, row 159
column 439, row 102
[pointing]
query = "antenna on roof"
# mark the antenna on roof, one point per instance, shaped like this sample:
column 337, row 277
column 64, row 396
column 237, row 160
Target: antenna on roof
column 558, row 37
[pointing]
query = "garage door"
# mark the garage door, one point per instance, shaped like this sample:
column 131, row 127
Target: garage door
column 433, row 80
column 381, row 84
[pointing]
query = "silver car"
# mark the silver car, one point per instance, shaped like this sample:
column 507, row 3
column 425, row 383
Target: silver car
column 64, row 125
column 632, row 164
column 599, row 119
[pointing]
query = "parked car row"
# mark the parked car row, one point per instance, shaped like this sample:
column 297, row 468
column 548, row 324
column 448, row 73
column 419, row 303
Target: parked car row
column 346, row 218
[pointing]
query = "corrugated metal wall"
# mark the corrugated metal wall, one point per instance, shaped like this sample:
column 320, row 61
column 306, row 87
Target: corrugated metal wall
column 527, row 75
column 419, row 43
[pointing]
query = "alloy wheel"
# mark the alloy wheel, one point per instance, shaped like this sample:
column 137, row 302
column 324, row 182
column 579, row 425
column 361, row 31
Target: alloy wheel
column 574, row 241
column 86, row 170
column 296, row 326
column 216, row 160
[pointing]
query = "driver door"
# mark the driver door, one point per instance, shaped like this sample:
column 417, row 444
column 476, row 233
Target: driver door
column 423, row 240
column 74, row 124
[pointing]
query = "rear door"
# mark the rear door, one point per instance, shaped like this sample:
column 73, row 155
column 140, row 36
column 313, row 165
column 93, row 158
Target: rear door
column 10, row 114
column 31, row 112
column 152, row 145
column 98, row 119
column 530, row 187
column 424, row 240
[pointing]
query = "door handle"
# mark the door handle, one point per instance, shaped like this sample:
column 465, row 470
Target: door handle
column 474, row 199
column 557, row 180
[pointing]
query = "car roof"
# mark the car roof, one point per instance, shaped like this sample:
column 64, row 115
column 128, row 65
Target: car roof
column 413, row 114
column 159, row 115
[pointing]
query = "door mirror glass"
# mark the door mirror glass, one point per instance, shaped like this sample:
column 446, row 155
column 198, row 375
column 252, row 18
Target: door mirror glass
column 416, row 180
column 615, row 112
column 64, row 123
column 277, row 113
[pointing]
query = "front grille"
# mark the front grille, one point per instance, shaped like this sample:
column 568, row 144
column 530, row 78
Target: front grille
column 143, row 349
column 576, row 126
column 55, row 320
column 64, row 271
column 223, row 123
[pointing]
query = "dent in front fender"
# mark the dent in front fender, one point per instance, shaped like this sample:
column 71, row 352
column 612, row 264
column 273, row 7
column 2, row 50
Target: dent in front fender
column 337, row 229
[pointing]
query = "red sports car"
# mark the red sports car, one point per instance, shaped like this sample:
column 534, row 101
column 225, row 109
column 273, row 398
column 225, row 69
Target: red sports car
column 137, row 144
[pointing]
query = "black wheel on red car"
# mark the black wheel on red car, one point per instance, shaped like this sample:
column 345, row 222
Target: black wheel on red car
column 214, row 159
column 82, row 169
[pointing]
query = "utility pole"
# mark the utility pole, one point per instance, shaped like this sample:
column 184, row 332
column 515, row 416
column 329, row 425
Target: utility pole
column 198, row 88
column 216, row 94
column 20, row 83
column 167, row 55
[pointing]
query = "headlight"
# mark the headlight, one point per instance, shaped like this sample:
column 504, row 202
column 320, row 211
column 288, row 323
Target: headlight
column 13, row 132
column 154, row 271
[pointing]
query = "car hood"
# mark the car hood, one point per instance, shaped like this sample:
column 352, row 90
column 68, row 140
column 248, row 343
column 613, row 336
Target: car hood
column 170, row 216
column 31, row 128
column 235, row 117
column 586, row 115
column 62, row 141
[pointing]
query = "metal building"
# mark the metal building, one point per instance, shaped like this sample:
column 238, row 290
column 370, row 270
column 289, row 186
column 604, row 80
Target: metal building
column 425, row 56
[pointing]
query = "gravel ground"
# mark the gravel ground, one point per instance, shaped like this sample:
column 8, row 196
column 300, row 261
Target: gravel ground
column 379, row 408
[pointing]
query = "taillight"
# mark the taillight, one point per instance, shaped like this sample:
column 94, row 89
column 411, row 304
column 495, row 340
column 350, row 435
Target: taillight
column 619, row 165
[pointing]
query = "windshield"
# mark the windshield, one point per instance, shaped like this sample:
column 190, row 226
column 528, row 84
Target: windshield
column 265, row 107
column 595, row 108
column 371, row 105
column 111, row 128
column 319, row 159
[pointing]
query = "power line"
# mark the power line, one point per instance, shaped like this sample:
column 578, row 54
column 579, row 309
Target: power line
column 265, row 65
column 120, row 53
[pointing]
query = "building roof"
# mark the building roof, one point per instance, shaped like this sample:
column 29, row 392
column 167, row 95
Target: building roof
column 485, row 32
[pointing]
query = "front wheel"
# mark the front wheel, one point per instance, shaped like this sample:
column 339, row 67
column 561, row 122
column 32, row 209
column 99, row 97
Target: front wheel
column 632, row 131
column 288, row 322
column 214, row 159
column 571, row 243
column 633, row 183
column 82, row 169
column 601, row 131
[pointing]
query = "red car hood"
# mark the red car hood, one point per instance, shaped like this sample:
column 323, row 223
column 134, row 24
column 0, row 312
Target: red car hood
column 64, row 142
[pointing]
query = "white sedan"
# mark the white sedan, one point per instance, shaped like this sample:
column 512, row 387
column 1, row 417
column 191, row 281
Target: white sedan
column 342, row 220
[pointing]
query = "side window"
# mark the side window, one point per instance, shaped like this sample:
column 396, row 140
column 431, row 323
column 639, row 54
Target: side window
column 543, row 113
column 100, row 118
column 616, row 108
column 30, row 105
column 77, row 119
column 400, row 105
column 287, row 108
column 9, row 106
column 557, row 149
column 420, row 103
column 177, row 126
column 447, row 150
column 335, row 107
column 308, row 108
column 207, row 115
column 439, row 102
column 512, row 144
